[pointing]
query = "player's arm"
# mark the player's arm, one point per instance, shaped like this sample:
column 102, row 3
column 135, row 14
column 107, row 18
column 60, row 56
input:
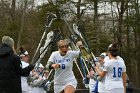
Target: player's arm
column 51, row 62
column 124, row 76
column 105, row 69
column 51, row 65
column 100, row 73
column 124, row 80
column 54, row 66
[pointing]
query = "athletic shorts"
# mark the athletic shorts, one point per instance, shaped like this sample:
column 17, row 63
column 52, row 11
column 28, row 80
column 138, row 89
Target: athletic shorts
column 116, row 90
column 60, row 87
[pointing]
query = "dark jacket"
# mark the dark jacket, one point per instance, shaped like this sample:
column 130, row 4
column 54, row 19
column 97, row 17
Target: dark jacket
column 11, row 70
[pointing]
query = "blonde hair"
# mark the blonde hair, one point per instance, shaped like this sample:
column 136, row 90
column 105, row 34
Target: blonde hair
column 65, row 41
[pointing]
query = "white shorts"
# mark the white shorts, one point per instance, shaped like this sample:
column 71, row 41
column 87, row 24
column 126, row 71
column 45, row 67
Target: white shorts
column 101, row 87
column 60, row 87
column 116, row 90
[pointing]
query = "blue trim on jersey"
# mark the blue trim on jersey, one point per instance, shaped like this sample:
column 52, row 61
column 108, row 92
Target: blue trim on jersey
column 96, row 87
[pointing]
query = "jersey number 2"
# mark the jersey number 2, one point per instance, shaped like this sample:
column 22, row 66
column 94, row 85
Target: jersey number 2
column 119, row 72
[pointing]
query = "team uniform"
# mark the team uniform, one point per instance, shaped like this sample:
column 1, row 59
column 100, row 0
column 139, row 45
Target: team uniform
column 101, row 83
column 93, row 86
column 64, row 75
column 24, row 84
column 118, row 57
column 113, row 79
column 92, row 82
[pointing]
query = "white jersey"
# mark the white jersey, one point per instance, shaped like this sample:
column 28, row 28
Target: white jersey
column 101, row 84
column 114, row 69
column 64, row 75
column 92, row 84
column 24, row 84
column 118, row 57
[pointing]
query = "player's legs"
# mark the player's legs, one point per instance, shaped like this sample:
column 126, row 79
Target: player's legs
column 69, row 89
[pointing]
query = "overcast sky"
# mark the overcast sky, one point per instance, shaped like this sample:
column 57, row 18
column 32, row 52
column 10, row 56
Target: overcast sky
column 103, row 8
column 40, row 2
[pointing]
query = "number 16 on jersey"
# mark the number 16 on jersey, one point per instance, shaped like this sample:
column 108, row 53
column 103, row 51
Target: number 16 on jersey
column 117, row 71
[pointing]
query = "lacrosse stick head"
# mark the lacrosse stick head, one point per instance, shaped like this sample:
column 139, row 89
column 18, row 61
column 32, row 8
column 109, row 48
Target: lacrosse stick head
column 50, row 35
column 75, row 28
column 47, row 86
column 50, row 18
column 41, row 52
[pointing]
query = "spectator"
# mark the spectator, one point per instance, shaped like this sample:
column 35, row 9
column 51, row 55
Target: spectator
column 11, row 67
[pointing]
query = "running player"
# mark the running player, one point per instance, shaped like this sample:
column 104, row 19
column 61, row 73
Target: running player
column 62, row 62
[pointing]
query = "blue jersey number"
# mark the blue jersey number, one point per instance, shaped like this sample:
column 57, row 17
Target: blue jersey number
column 63, row 66
column 119, row 72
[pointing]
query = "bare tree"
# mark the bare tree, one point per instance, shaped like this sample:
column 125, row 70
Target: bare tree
column 122, row 6
column 22, row 23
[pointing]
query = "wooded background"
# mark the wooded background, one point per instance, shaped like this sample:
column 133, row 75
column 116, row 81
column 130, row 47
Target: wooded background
column 101, row 21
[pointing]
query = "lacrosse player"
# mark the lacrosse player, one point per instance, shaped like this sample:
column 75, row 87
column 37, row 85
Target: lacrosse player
column 24, row 57
column 114, row 71
column 62, row 62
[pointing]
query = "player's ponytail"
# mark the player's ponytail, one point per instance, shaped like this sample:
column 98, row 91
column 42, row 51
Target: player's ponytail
column 113, row 49
column 22, row 52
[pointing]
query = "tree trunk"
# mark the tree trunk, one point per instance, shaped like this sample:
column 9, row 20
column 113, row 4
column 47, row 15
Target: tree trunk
column 22, row 23
column 96, row 30
column 120, row 22
column 13, row 9
column 78, row 10
column 136, row 41
column 128, row 60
